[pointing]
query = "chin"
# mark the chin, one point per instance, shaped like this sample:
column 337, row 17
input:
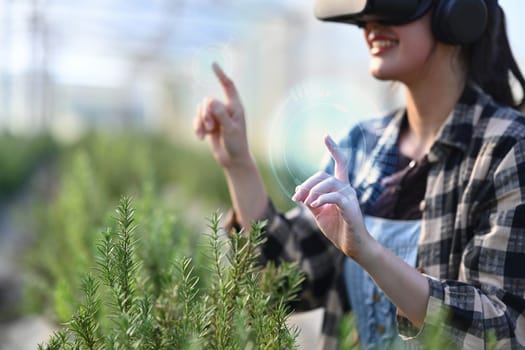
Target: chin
column 383, row 71
column 380, row 74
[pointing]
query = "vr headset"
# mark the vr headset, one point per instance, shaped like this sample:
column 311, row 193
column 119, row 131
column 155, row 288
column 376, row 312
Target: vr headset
column 358, row 12
column 453, row 21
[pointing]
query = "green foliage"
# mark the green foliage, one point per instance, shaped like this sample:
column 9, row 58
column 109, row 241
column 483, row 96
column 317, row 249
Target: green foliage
column 240, row 306
column 84, row 322
column 19, row 157
column 122, row 162
column 91, row 176
column 64, row 245
column 174, row 185
column 348, row 337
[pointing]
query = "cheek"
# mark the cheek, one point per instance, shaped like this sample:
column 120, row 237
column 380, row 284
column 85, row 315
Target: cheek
column 416, row 52
column 401, row 64
column 417, row 42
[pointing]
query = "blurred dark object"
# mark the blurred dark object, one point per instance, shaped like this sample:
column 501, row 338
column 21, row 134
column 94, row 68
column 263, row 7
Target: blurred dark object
column 10, row 292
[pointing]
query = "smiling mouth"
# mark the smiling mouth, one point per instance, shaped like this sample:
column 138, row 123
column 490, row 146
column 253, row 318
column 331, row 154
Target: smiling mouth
column 379, row 42
column 382, row 45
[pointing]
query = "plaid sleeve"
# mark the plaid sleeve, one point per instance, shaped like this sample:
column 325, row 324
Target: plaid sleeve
column 486, row 307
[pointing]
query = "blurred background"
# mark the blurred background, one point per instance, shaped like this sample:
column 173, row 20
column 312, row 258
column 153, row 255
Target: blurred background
column 97, row 100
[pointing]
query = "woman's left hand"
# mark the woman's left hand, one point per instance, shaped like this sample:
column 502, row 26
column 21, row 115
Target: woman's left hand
column 335, row 206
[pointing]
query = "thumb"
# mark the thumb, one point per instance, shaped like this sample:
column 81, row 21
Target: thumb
column 340, row 159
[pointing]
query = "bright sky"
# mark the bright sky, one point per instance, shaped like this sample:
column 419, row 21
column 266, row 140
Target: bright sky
column 97, row 33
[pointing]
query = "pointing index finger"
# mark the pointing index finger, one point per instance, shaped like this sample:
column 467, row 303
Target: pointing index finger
column 340, row 159
column 227, row 84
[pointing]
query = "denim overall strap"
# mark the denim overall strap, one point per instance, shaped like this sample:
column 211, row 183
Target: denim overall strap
column 374, row 313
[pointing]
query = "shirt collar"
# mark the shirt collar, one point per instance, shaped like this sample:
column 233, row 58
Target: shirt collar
column 456, row 132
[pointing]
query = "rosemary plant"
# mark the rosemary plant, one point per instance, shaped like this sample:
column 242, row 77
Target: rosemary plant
column 241, row 306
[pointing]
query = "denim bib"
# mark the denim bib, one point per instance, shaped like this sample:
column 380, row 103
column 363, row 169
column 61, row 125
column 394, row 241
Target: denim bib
column 375, row 314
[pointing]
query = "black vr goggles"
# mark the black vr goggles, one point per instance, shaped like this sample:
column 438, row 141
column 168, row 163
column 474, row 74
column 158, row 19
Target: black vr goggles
column 358, row 12
column 453, row 21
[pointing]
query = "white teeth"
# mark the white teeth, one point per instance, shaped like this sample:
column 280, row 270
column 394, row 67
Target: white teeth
column 383, row 43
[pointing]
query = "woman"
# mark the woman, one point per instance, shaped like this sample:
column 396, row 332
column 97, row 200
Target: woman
column 431, row 206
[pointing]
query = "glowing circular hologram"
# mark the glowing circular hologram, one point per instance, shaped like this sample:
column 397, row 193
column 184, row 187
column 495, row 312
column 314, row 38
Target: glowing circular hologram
column 311, row 111
column 201, row 70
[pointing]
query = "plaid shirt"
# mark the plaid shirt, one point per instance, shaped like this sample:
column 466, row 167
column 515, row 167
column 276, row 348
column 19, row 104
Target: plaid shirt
column 472, row 245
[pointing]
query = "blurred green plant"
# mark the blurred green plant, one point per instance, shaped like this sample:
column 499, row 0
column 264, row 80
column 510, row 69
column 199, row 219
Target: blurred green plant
column 121, row 161
column 348, row 337
column 175, row 185
column 19, row 157
column 241, row 306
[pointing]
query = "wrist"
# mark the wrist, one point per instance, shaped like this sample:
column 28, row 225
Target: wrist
column 241, row 166
column 371, row 257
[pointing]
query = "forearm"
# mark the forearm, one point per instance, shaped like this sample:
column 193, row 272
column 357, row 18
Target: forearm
column 247, row 192
column 406, row 287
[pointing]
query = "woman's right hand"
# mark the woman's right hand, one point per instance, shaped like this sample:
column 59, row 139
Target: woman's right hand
column 225, row 125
